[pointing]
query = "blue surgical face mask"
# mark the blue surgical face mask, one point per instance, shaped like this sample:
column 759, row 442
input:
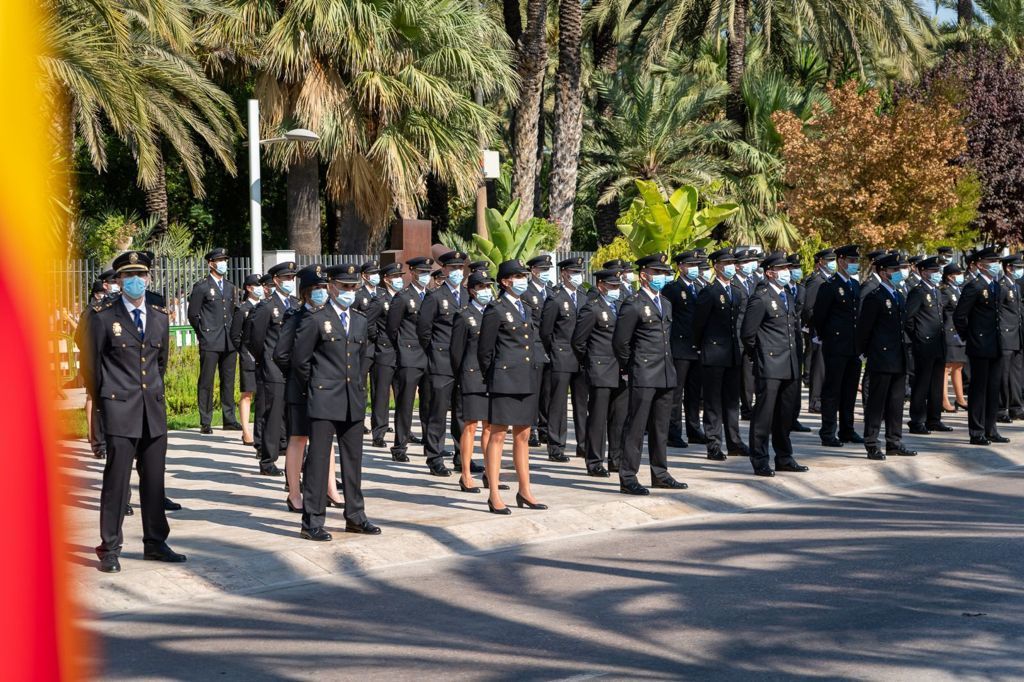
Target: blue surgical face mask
column 830, row 265
column 748, row 268
column 852, row 269
column 708, row 275
column 134, row 286
column 576, row 279
column 257, row 293
column 287, row 286
column 692, row 272
column 729, row 271
column 1018, row 273
column 784, row 277
column 345, row 298
column 612, row 294
column 545, row 276
column 455, row 277
column 994, row 269
column 221, row 267
column 658, row 282
column 896, row 277
column 935, row 278
column 318, row 297
column 958, row 280
column 374, row 279
column 423, row 279
column 397, row 283
column 797, row 274
column 519, row 286
column 484, row 296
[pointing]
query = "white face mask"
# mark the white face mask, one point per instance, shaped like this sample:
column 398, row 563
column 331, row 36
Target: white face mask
column 576, row 279
column 221, row 267
column 115, row 288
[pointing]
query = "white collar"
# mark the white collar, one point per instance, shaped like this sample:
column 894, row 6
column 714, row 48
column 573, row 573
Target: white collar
column 477, row 305
column 129, row 306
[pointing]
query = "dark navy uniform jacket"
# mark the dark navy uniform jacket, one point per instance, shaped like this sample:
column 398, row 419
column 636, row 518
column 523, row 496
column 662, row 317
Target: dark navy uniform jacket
column 265, row 324
column 242, row 311
column 881, row 329
column 557, row 322
column 835, row 316
column 976, row 318
column 924, row 321
column 509, row 349
column 210, row 311
column 434, row 327
column 771, row 328
column 592, row 342
column 682, row 294
column 642, row 342
column 403, row 318
column 716, row 325
column 464, row 354
column 330, row 362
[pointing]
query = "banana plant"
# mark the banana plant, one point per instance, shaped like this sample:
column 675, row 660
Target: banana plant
column 508, row 238
column 653, row 225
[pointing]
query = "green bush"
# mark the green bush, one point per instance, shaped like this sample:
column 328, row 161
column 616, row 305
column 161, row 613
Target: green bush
column 180, row 383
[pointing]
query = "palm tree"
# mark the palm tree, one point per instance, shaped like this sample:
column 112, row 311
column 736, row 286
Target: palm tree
column 1005, row 24
column 531, row 63
column 568, row 129
column 964, row 12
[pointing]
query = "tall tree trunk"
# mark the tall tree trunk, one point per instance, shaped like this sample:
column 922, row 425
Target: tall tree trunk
column 353, row 233
column 604, row 221
column 304, row 205
column 156, row 197
column 511, row 12
column 333, row 221
column 437, row 206
column 532, row 61
column 606, row 58
column 964, row 12
column 735, row 108
column 565, row 139
column 542, row 124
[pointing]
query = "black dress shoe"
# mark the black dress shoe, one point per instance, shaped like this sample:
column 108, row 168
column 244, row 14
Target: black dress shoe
column 291, row 507
column 918, row 430
column 742, row 452
column 852, row 437
column 233, row 426
column 315, row 534
column 613, row 468
column 831, row 442
column 814, row 410
column 669, row 483
column 171, row 505
column 799, row 428
column 110, row 564
column 764, row 471
column 272, row 471
column 744, row 416
column 102, row 454
column 944, row 428
column 365, row 528
column 559, row 458
column 523, row 502
column 1017, row 414
column 367, row 430
column 503, row 511
column 633, row 488
column 534, row 442
column 445, row 454
column 717, row 456
column 698, row 439
column 128, row 511
column 340, row 504
column 467, row 489
column 1004, row 419
column 206, row 430
column 415, row 440
column 543, row 438
column 338, row 484
column 378, row 443
column 390, row 430
column 399, row 457
column 792, row 467
column 996, row 438
column 677, row 443
column 876, row 454
column 440, row 470
column 980, row 441
column 901, row 451
column 598, row 472
column 162, row 552
column 501, row 486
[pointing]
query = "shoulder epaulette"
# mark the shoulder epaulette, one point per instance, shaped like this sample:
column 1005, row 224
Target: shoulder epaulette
column 158, row 308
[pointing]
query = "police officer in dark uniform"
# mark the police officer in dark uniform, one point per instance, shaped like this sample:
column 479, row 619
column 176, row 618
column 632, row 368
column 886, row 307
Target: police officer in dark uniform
column 211, row 306
column 592, row 342
column 746, row 281
column 835, row 319
column 369, row 273
column 681, row 292
column 956, row 347
column 617, row 408
column 880, row 338
column 259, row 401
column 541, row 286
column 266, row 322
column 771, row 333
column 97, row 297
column 125, row 366
column 977, row 320
column 385, row 359
column 434, row 329
column 1010, row 329
column 642, row 345
column 825, row 267
column 716, row 326
column 329, row 349
column 928, row 345
column 558, row 321
column 246, row 361
column 797, row 292
column 412, row 362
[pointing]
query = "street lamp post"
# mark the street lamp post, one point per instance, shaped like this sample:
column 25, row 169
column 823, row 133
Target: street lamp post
column 255, row 197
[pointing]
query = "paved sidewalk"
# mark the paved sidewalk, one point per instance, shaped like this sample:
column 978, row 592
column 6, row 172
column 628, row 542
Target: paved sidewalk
column 240, row 537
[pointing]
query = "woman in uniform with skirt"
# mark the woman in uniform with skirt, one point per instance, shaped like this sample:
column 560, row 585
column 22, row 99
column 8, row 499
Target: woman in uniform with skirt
column 510, row 356
column 466, row 365
column 956, row 348
column 246, row 362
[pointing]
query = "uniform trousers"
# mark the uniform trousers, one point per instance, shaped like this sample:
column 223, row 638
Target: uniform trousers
column 599, row 409
column 258, row 401
column 798, row 403
column 558, row 408
column 442, row 389
column 886, row 395
column 926, row 390
column 839, row 394
column 542, row 414
column 816, row 376
column 746, row 384
column 149, row 454
column 458, row 423
column 722, row 408
column 408, row 381
column 97, row 434
column 772, row 417
column 1009, row 386
column 316, row 469
column 617, row 412
column 648, row 412
column 983, row 396
column 686, row 400
column 275, row 435
column 211, row 361
column 382, row 381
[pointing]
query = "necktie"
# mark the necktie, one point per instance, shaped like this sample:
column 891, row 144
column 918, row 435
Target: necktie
column 657, row 303
column 287, row 304
column 522, row 311
column 220, row 285
column 344, row 322
column 728, row 293
column 785, row 300
column 422, row 294
column 137, row 314
column 573, row 295
column 455, row 294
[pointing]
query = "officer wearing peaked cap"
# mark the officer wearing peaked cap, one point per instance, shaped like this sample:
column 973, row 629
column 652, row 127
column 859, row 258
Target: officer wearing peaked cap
column 798, row 293
column 124, row 367
column 369, row 273
column 1010, row 330
column 824, row 268
column 681, row 292
column 385, row 358
column 246, row 362
column 541, row 285
column 927, row 344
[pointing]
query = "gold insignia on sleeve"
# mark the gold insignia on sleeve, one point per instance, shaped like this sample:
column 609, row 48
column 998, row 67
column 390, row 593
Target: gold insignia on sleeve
column 327, row 326
column 116, row 328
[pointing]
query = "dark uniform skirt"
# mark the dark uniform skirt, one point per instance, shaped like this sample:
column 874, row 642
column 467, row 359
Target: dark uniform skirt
column 955, row 352
column 512, row 409
column 298, row 420
column 247, row 381
column 475, row 407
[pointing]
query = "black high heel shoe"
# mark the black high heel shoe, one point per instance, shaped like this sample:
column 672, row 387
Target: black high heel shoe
column 466, row 489
column 523, row 502
column 332, row 503
column 501, row 486
column 292, row 507
column 504, row 511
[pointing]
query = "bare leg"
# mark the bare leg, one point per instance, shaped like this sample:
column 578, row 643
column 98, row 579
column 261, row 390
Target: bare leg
column 244, row 403
column 332, row 480
column 492, row 461
column 466, row 447
column 88, row 418
column 946, row 406
column 521, row 458
column 293, row 466
column 958, row 383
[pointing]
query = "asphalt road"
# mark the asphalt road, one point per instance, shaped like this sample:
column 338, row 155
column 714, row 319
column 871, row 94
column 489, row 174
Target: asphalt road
column 918, row 583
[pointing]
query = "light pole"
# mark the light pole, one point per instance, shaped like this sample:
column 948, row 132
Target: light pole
column 255, row 197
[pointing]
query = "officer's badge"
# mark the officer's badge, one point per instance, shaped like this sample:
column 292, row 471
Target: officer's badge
column 684, row 295
column 984, row 293
column 535, row 299
column 647, row 310
column 472, row 322
column 133, row 258
column 116, row 328
column 412, row 304
column 566, row 305
column 277, row 312
column 954, row 298
column 842, row 291
column 604, row 316
column 1009, row 294
column 327, row 326
column 928, row 298
column 508, row 316
column 775, row 306
column 444, row 303
column 213, row 292
column 387, row 306
column 721, row 299
column 888, row 304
